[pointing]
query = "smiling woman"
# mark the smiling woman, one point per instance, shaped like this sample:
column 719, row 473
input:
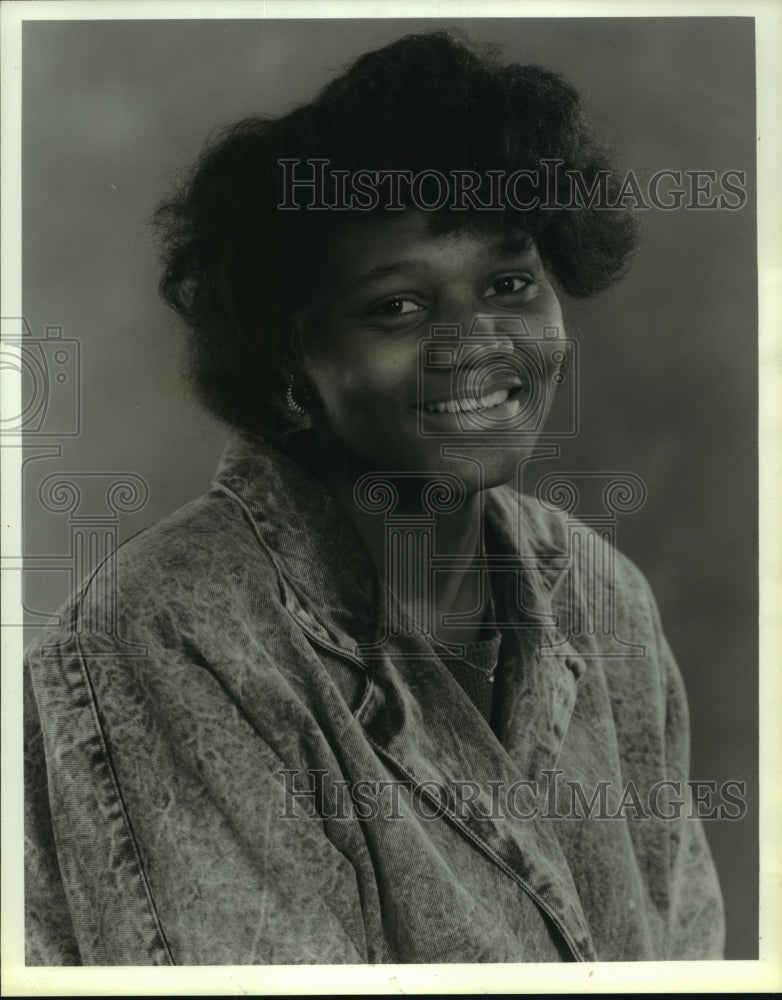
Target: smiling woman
column 376, row 395
column 346, row 709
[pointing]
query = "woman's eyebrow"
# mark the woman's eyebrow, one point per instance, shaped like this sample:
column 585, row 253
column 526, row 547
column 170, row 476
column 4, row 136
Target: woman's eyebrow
column 385, row 271
column 514, row 247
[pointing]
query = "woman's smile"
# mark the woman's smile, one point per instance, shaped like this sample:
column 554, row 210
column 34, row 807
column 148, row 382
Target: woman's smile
column 470, row 404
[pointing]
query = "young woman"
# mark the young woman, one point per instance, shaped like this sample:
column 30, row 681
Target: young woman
column 343, row 708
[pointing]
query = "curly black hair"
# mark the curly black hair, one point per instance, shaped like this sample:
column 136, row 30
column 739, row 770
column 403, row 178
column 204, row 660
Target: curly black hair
column 233, row 262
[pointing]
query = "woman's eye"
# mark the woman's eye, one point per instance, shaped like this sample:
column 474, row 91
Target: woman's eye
column 396, row 307
column 508, row 285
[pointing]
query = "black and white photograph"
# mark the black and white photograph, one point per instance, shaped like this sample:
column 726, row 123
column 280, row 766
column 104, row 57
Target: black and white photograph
column 383, row 429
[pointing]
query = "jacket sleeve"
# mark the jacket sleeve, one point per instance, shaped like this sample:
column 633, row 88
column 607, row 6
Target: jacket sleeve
column 696, row 921
column 49, row 934
column 151, row 802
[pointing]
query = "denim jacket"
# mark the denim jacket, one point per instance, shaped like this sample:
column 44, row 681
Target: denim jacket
column 220, row 699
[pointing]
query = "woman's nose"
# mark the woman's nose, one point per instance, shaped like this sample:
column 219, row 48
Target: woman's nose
column 467, row 323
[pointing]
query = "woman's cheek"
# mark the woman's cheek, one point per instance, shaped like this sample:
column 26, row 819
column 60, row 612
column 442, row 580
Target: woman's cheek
column 397, row 360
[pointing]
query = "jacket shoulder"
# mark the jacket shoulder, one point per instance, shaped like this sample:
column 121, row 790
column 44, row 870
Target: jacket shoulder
column 583, row 565
column 198, row 564
column 556, row 533
column 210, row 531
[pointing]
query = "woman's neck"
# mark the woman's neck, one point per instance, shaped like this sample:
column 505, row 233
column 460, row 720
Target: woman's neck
column 403, row 557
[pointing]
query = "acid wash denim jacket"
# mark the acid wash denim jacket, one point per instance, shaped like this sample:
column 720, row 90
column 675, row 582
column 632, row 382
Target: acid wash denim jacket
column 226, row 765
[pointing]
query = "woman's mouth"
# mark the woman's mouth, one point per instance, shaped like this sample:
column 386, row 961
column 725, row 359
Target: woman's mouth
column 472, row 404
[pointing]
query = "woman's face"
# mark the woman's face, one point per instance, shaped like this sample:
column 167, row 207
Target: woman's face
column 421, row 343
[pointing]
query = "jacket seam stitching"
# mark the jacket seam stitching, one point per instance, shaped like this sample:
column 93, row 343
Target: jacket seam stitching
column 573, row 945
column 126, row 824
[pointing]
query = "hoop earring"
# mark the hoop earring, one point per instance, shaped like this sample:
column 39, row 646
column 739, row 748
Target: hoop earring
column 299, row 408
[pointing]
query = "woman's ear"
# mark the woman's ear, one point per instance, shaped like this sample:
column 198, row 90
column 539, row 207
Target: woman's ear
column 293, row 354
column 298, row 390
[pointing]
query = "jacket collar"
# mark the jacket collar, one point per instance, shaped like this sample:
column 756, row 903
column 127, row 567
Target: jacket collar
column 326, row 577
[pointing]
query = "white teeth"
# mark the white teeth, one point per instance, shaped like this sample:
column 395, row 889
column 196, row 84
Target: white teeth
column 467, row 405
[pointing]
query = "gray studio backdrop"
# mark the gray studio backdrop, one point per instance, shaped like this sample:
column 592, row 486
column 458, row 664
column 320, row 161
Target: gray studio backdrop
column 113, row 112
